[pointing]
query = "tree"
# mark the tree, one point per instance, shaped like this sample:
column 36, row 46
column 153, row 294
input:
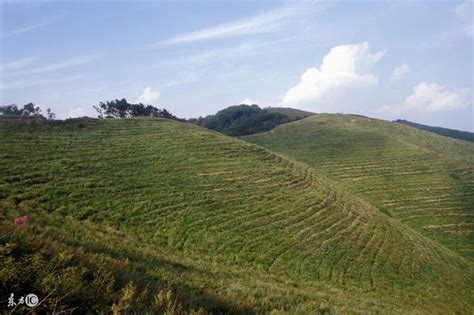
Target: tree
column 123, row 109
column 242, row 120
column 10, row 110
column 50, row 114
column 28, row 110
column 31, row 110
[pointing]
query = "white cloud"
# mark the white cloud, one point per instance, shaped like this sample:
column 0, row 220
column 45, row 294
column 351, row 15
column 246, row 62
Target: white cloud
column 25, row 29
column 430, row 97
column 17, row 64
column 400, row 71
column 76, row 61
column 263, row 23
column 20, row 84
column 211, row 56
column 149, row 96
column 248, row 101
column 344, row 66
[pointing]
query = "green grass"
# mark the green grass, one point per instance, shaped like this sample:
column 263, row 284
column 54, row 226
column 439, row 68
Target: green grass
column 421, row 179
column 293, row 113
column 225, row 225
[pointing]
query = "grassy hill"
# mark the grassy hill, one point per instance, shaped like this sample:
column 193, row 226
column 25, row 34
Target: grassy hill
column 417, row 177
column 158, row 215
column 294, row 113
column 452, row 133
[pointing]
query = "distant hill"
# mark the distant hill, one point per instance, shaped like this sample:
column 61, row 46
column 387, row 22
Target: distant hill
column 150, row 215
column 240, row 120
column 418, row 177
column 452, row 133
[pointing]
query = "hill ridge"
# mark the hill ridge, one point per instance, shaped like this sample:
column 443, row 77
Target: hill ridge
column 446, row 132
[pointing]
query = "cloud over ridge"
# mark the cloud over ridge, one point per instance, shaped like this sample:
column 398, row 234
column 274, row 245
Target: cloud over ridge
column 430, row 97
column 149, row 96
column 343, row 66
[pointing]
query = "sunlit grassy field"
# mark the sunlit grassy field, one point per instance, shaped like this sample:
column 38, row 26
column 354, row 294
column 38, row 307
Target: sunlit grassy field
column 140, row 214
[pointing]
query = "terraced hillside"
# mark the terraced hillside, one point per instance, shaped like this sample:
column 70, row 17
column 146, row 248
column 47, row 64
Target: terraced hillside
column 228, row 224
column 419, row 178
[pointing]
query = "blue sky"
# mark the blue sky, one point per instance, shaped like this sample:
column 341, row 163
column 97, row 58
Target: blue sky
column 405, row 59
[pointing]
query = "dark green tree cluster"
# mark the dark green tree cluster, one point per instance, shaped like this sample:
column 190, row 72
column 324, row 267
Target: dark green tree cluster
column 123, row 109
column 28, row 110
column 241, row 120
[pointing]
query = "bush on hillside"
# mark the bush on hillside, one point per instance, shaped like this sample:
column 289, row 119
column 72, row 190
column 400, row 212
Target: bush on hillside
column 241, row 120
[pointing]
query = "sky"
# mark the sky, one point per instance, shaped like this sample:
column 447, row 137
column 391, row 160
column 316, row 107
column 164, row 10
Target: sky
column 391, row 60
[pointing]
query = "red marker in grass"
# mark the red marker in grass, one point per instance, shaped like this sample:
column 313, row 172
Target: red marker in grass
column 21, row 220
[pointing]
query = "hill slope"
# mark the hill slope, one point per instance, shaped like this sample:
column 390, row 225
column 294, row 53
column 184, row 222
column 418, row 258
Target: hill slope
column 227, row 224
column 295, row 114
column 452, row 133
column 422, row 179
